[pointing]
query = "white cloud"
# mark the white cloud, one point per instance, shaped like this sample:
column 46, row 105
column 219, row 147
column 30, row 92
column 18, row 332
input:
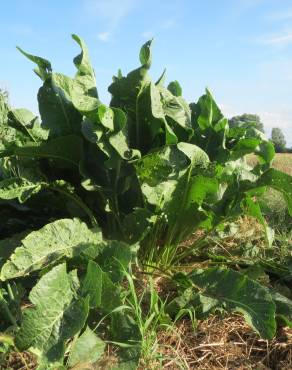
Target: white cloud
column 283, row 39
column 110, row 11
column 280, row 119
column 104, row 36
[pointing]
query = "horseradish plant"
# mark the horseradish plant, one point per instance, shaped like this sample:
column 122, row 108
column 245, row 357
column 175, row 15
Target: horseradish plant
column 87, row 187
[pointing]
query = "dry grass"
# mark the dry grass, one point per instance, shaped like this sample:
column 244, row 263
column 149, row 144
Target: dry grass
column 282, row 162
column 217, row 343
column 224, row 343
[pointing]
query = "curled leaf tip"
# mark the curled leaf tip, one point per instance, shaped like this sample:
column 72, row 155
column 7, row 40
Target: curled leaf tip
column 161, row 79
column 208, row 91
column 145, row 54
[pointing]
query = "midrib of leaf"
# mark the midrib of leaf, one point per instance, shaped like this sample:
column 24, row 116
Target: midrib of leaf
column 247, row 309
column 49, row 328
column 25, row 187
column 43, row 156
column 115, row 198
column 29, row 268
column 77, row 200
column 64, row 112
column 28, row 133
column 224, row 298
column 137, row 117
column 182, row 204
column 10, row 153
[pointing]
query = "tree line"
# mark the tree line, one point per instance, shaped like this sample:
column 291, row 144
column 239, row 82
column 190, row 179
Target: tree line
column 277, row 136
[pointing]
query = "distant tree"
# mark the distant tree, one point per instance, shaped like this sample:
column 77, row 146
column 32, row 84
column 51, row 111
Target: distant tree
column 251, row 119
column 4, row 106
column 278, row 139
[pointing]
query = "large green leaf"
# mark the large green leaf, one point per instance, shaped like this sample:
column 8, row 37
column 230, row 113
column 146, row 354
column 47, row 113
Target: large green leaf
column 137, row 224
column 109, row 130
column 59, row 239
column 189, row 301
column 26, row 168
column 210, row 128
column 44, row 68
column 283, row 308
column 28, row 123
column 207, row 111
column 58, row 114
column 145, row 55
column 81, row 91
column 150, row 120
column 175, row 88
column 115, row 258
column 82, row 61
column 236, row 292
column 261, row 147
column 125, row 330
column 102, row 292
column 125, row 92
column 8, row 245
column 177, row 113
column 279, row 181
column 173, row 184
column 84, row 93
column 87, row 349
column 252, row 208
column 17, row 187
column 66, row 148
column 11, row 137
column 55, row 316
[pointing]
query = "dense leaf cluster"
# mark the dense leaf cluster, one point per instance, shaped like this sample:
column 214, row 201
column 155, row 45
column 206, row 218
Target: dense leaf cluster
column 88, row 187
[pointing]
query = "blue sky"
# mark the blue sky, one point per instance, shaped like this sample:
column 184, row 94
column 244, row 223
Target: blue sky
column 240, row 49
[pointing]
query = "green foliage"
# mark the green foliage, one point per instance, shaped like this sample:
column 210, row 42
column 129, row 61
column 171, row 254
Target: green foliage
column 278, row 139
column 57, row 240
column 87, row 187
column 45, row 326
column 149, row 313
column 87, row 348
column 4, row 106
column 245, row 119
column 215, row 287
